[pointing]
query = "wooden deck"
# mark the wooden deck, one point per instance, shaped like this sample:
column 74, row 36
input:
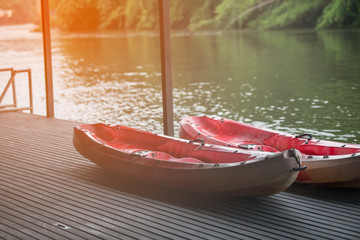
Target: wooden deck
column 49, row 191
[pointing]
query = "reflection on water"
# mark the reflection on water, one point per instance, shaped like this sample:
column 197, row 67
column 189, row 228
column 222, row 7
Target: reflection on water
column 295, row 81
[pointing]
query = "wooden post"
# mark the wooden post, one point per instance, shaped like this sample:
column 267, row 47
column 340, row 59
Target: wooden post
column 45, row 14
column 165, row 47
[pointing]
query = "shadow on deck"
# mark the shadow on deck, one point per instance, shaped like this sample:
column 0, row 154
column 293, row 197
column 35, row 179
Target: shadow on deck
column 49, row 191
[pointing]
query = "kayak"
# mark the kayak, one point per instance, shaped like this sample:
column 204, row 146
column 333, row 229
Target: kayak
column 186, row 165
column 328, row 163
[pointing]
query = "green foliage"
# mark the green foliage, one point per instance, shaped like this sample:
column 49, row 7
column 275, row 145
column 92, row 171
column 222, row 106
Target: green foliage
column 340, row 13
column 182, row 11
column 288, row 13
column 192, row 14
column 334, row 14
column 211, row 14
column 228, row 12
column 149, row 16
column 132, row 13
column 202, row 14
column 112, row 14
column 77, row 15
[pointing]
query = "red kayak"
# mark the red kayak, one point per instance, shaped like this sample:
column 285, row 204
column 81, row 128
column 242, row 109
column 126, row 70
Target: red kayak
column 328, row 163
column 184, row 164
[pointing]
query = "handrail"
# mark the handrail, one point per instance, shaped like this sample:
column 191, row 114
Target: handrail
column 13, row 88
column 13, row 107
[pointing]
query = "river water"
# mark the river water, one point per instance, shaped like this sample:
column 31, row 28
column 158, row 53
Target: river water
column 299, row 81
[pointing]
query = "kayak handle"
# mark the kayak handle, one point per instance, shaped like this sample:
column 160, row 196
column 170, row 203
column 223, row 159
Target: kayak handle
column 299, row 167
column 198, row 140
column 304, row 136
column 307, row 136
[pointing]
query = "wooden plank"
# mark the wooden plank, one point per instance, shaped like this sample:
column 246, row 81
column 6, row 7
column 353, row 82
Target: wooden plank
column 27, row 224
column 130, row 210
column 10, row 230
column 103, row 212
column 48, row 190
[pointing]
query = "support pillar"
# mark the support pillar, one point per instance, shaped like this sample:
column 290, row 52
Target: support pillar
column 45, row 15
column 165, row 46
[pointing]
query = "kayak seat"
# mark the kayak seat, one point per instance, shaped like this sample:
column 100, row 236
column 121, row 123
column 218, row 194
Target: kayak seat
column 255, row 147
column 277, row 142
column 177, row 149
column 189, row 160
column 161, row 156
column 284, row 142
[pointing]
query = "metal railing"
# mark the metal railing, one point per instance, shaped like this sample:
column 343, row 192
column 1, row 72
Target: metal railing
column 11, row 82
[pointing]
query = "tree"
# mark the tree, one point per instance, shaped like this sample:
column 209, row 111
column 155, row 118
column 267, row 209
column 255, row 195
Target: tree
column 77, row 15
column 285, row 14
column 340, row 13
column 206, row 14
column 112, row 14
